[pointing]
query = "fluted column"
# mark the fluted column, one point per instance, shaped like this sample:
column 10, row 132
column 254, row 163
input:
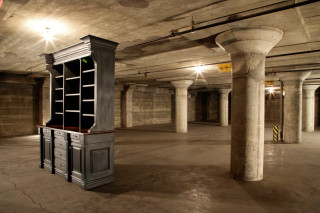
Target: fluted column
column 292, row 122
column 181, row 104
column 308, row 107
column 126, row 109
column 224, row 106
column 248, row 48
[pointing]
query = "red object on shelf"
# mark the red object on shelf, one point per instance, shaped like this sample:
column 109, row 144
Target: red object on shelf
column 1, row 1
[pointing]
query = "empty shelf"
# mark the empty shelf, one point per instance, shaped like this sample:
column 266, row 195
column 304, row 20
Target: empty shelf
column 59, row 76
column 59, row 101
column 77, row 111
column 73, row 78
column 89, row 115
column 86, row 71
column 58, row 88
column 73, row 94
column 59, row 113
column 88, row 100
column 89, row 85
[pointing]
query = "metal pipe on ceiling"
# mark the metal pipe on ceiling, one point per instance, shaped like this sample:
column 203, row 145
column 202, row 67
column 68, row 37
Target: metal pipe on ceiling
column 234, row 18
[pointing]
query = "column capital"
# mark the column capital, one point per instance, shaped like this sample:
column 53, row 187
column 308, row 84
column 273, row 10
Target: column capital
column 249, row 40
column 181, row 83
column 310, row 87
column 129, row 87
column 224, row 91
column 292, row 76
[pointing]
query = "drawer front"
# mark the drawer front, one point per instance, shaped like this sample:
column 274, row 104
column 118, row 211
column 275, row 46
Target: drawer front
column 58, row 133
column 46, row 133
column 75, row 137
column 60, row 143
column 60, row 153
column 46, row 130
column 59, row 164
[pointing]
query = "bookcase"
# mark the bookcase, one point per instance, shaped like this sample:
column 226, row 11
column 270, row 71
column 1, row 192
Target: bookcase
column 77, row 142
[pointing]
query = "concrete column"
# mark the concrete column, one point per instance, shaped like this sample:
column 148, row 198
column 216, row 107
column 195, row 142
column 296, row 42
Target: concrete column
column 126, row 109
column 308, row 107
column 181, row 104
column 248, row 48
column 224, row 105
column 292, row 122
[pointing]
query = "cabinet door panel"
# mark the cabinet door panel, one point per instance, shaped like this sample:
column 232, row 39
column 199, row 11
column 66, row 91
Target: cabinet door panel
column 47, row 149
column 76, row 160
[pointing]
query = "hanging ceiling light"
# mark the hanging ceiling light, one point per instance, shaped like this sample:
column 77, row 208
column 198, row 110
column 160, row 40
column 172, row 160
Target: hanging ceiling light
column 199, row 69
column 270, row 90
column 46, row 28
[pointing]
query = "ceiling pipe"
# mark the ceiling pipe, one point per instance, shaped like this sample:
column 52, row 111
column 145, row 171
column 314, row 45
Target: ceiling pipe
column 235, row 18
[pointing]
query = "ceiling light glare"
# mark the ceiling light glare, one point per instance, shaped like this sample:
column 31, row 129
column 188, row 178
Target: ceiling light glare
column 271, row 90
column 199, row 69
column 46, row 28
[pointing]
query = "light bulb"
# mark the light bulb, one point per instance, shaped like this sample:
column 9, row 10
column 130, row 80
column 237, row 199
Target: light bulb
column 199, row 69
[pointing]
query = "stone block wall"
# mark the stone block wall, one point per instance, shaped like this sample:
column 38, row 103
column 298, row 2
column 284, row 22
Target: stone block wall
column 151, row 106
column 272, row 108
column 213, row 106
column 19, row 108
column 191, row 106
column 317, row 108
column 44, row 102
column 117, row 105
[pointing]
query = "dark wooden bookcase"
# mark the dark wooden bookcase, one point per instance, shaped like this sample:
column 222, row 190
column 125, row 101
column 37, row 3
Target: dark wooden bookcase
column 77, row 142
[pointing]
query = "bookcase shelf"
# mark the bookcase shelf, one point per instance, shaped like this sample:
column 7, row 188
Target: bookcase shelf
column 77, row 142
column 90, row 115
column 88, row 100
column 73, row 78
column 75, row 111
column 88, row 85
column 87, row 71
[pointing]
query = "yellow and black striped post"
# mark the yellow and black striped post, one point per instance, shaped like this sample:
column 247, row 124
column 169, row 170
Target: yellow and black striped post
column 275, row 133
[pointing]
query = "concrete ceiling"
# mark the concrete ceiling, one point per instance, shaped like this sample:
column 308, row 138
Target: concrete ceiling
column 143, row 28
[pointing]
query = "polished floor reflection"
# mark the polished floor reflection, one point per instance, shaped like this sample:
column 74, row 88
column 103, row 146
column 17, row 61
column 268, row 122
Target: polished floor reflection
column 158, row 170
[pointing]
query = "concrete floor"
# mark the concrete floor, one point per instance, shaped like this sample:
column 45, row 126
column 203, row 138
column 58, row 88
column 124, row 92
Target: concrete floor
column 158, row 170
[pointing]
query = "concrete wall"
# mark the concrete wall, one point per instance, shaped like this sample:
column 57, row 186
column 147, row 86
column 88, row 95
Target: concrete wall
column 117, row 105
column 317, row 108
column 272, row 108
column 19, row 108
column 44, row 102
column 201, row 107
column 151, row 106
column 191, row 106
column 213, row 106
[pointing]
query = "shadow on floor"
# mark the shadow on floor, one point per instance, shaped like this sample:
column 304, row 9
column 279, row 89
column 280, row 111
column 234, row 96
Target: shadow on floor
column 167, row 179
column 269, row 194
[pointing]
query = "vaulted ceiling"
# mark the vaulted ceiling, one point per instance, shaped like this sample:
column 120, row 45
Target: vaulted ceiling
column 156, row 38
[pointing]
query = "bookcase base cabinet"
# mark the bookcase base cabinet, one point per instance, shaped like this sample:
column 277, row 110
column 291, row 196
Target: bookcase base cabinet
column 84, row 159
column 92, row 157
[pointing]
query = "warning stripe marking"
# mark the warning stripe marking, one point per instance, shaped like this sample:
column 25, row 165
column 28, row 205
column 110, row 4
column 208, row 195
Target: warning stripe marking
column 275, row 133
